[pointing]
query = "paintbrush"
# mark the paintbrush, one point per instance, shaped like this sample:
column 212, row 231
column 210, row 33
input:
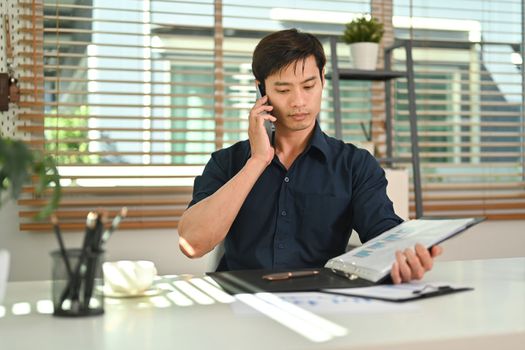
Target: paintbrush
column 92, row 258
column 61, row 246
column 114, row 225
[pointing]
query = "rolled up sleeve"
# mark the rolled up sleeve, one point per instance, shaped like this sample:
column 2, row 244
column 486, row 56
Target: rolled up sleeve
column 213, row 177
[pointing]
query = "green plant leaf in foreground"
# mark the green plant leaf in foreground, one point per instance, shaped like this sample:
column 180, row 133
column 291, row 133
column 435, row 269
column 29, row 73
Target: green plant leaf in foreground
column 18, row 163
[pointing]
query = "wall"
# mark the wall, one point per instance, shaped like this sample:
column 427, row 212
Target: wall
column 30, row 251
column 489, row 239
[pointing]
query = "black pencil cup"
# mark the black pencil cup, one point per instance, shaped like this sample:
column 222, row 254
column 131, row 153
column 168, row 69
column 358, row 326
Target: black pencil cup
column 77, row 286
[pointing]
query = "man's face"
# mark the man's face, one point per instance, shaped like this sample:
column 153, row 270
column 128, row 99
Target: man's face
column 295, row 94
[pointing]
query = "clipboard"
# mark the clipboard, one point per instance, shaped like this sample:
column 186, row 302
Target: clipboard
column 373, row 260
column 401, row 292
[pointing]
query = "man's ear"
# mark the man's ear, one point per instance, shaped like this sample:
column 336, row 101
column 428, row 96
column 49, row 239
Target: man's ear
column 323, row 78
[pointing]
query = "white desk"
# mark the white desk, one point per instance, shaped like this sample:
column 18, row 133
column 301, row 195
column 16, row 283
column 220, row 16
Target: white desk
column 491, row 316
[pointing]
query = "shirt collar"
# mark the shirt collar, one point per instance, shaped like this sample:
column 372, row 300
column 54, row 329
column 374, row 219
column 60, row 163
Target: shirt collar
column 318, row 141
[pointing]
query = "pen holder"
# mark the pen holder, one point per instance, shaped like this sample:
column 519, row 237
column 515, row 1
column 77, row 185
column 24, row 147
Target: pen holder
column 78, row 282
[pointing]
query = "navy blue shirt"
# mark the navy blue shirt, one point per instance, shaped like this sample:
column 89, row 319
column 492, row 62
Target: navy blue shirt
column 303, row 216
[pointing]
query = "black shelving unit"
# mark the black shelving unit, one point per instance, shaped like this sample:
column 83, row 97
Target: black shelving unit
column 386, row 75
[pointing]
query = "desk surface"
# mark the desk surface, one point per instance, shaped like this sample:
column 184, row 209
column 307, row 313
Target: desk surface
column 491, row 316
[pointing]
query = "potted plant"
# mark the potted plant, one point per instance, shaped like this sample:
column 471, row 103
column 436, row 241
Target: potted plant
column 363, row 34
column 18, row 163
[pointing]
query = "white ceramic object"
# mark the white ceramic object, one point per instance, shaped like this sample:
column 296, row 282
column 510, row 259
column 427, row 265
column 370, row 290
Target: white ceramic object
column 364, row 55
column 4, row 273
column 129, row 277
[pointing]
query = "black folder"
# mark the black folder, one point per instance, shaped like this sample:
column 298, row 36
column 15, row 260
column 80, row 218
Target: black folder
column 251, row 281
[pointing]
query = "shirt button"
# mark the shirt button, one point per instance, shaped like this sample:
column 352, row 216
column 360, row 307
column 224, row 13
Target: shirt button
column 283, row 213
column 281, row 246
column 287, row 179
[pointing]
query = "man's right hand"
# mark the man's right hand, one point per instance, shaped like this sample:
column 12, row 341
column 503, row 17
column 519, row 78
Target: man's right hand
column 206, row 224
column 261, row 148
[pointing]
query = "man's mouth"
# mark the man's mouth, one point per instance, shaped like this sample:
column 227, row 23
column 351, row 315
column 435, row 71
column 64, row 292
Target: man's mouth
column 299, row 116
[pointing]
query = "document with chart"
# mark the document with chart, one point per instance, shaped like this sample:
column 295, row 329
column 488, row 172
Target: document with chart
column 373, row 260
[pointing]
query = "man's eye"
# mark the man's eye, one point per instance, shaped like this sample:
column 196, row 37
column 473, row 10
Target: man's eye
column 308, row 87
column 282, row 91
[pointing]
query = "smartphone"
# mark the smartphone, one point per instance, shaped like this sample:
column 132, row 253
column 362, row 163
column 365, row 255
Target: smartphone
column 268, row 125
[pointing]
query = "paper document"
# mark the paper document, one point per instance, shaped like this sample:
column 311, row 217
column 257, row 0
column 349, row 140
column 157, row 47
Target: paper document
column 325, row 304
column 374, row 259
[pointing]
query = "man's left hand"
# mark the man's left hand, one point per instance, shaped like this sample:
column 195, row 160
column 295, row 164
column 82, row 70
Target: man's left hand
column 412, row 264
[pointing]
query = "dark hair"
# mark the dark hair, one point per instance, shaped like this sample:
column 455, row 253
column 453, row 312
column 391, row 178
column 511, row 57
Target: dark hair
column 278, row 50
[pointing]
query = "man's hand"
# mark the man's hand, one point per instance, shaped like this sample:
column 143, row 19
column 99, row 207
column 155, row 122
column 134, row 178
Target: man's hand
column 412, row 264
column 259, row 141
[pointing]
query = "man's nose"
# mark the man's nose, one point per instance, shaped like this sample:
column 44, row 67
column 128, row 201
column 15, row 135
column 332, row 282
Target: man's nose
column 298, row 98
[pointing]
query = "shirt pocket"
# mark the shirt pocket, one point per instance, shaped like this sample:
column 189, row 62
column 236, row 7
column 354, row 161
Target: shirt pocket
column 325, row 223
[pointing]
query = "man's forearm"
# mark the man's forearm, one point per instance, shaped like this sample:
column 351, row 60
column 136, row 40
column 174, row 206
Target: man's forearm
column 205, row 224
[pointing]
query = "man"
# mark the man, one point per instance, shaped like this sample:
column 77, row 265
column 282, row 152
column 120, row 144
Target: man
column 292, row 204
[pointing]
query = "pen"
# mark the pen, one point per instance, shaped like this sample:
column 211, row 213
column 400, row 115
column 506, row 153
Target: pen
column 291, row 274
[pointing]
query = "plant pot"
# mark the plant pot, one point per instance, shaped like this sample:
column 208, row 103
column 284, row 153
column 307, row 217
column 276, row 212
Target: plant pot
column 364, row 55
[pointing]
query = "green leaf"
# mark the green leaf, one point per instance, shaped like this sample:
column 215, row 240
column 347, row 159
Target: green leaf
column 363, row 30
column 18, row 163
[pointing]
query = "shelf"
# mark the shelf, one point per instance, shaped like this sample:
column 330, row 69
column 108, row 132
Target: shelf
column 360, row 74
column 383, row 75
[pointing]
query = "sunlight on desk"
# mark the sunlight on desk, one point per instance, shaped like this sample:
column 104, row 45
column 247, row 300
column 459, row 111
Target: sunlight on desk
column 174, row 295
column 193, row 293
column 160, row 302
column 20, row 309
column 318, row 321
column 301, row 326
column 213, row 291
column 44, row 306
